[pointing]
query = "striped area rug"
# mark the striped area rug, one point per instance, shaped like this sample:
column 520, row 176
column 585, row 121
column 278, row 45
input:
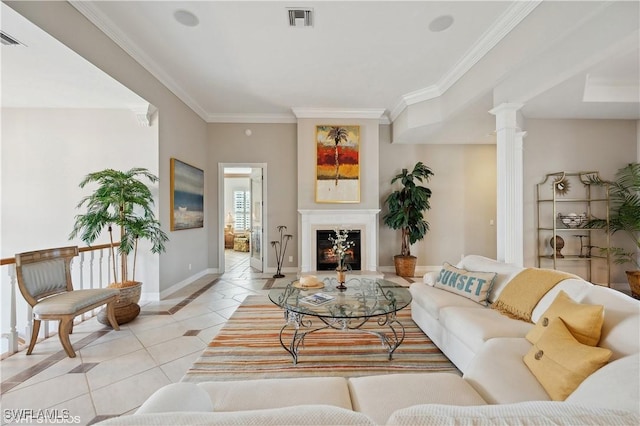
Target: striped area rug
column 248, row 347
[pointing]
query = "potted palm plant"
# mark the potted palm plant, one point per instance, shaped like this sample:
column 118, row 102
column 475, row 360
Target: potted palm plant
column 121, row 200
column 406, row 213
column 624, row 216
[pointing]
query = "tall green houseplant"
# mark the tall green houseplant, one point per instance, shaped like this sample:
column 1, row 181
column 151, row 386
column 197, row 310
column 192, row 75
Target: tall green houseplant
column 121, row 200
column 406, row 213
column 624, row 217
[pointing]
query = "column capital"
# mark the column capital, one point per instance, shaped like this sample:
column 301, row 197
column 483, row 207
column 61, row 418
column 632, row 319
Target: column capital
column 505, row 108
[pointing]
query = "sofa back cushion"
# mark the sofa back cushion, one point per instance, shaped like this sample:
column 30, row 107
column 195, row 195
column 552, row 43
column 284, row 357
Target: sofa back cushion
column 616, row 385
column 504, row 271
column 621, row 327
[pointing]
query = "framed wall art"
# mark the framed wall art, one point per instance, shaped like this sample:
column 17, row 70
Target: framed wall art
column 337, row 164
column 187, row 196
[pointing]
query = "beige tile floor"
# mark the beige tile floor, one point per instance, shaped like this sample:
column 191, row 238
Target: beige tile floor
column 115, row 371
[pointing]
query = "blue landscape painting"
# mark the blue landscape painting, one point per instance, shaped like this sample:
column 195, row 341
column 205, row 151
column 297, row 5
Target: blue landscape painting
column 187, row 192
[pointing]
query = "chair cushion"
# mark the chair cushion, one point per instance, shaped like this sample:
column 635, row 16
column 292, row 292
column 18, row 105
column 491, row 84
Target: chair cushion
column 73, row 301
column 560, row 362
column 583, row 321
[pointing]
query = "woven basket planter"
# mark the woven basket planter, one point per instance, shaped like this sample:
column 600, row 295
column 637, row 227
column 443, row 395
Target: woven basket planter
column 405, row 265
column 634, row 282
column 126, row 308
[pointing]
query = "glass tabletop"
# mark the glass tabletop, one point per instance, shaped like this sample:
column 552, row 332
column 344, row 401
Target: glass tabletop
column 363, row 298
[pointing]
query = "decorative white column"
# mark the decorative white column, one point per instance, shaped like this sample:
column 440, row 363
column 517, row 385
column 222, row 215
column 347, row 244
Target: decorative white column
column 509, row 220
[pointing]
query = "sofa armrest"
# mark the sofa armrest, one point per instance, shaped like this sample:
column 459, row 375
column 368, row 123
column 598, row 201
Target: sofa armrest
column 177, row 397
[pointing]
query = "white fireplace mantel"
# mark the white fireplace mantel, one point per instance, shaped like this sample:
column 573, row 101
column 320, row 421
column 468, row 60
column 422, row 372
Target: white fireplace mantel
column 365, row 220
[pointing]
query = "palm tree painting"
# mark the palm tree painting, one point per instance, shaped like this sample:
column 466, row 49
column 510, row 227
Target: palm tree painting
column 338, row 164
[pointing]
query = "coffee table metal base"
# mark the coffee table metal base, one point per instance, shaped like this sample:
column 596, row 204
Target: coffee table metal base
column 390, row 339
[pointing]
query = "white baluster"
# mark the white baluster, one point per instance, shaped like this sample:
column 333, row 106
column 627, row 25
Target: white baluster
column 12, row 335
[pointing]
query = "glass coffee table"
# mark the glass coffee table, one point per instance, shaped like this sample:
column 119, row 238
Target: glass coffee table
column 309, row 310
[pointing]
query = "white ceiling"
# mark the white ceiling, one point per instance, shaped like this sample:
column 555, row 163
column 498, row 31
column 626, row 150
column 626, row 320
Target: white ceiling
column 44, row 73
column 243, row 62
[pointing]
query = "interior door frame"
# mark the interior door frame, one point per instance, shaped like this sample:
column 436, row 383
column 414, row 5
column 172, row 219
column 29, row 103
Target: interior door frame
column 221, row 213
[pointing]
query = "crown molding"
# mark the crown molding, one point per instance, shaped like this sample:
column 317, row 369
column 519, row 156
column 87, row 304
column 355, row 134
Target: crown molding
column 251, row 118
column 111, row 30
column 366, row 113
column 503, row 26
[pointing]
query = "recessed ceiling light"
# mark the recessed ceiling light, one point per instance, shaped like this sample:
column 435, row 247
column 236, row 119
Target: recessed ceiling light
column 186, row 18
column 441, row 23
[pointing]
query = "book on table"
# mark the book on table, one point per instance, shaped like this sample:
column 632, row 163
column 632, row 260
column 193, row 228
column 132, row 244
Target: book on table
column 318, row 299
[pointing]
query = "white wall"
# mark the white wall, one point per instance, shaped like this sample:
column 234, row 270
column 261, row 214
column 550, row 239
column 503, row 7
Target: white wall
column 182, row 133
column 45, row 155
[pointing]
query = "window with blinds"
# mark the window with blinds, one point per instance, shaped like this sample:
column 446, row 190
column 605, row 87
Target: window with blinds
column 242, row 210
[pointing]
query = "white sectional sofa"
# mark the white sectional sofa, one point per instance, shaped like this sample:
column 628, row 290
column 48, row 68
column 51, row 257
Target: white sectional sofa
column 488, row 348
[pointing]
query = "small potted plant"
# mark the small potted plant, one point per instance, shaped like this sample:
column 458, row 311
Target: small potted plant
column 123, row 201
column 406, row 213
column 624, row 216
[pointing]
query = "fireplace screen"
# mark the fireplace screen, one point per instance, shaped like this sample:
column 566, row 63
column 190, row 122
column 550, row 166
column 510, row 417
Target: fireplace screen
column 327, row 261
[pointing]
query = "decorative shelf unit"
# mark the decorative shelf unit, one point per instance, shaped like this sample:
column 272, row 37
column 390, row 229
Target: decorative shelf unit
column 565, row 202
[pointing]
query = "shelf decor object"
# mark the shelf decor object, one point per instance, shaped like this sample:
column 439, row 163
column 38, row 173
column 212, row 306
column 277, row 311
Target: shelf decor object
column 566, row 201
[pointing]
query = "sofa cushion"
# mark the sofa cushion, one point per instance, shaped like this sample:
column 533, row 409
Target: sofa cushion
column 177, row 397
column 611, row 386
column 433, row 300
column 475, row 326
column 621, row 320
column 560, row 362
column 299, row 415
column 505, row 271
column 526, row 413
column 583, row 321
column 500, row 376
column 273, row 393
column 380, row 395
column 470, row 284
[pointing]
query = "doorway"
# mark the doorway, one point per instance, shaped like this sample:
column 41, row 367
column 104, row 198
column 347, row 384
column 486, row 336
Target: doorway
column 242, row 203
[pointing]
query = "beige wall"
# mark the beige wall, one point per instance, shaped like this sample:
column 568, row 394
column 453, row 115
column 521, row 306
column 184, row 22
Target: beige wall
column 573, row 145
column 463, row 201
column 274, row 144
column 182, row 133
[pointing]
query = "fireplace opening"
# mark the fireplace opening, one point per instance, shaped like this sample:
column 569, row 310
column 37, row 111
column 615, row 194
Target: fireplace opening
column 326, row 260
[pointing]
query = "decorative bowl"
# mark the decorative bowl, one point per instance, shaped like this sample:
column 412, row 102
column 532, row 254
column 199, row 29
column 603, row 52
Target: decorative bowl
column 572, row 220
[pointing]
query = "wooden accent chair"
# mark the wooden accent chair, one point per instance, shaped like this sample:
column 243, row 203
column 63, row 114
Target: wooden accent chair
column 44, row 279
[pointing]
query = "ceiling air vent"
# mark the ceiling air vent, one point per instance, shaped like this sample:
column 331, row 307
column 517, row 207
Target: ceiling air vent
column 300, row 17
column 7, row 40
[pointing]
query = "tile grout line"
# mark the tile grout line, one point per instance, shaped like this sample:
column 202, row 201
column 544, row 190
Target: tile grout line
column 32, row 371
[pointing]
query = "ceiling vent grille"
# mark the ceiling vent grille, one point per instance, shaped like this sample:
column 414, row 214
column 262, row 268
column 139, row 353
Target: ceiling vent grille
column 7, row 40
column 300, row 17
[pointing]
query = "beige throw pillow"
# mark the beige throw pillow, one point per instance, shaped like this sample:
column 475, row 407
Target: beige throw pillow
column 560, row 362
column 582, row 320
column 470, row 284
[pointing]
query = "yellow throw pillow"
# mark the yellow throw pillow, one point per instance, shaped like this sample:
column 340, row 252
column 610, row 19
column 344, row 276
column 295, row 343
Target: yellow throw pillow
column 560, row 362
column 583, row 321
column 470, row 284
